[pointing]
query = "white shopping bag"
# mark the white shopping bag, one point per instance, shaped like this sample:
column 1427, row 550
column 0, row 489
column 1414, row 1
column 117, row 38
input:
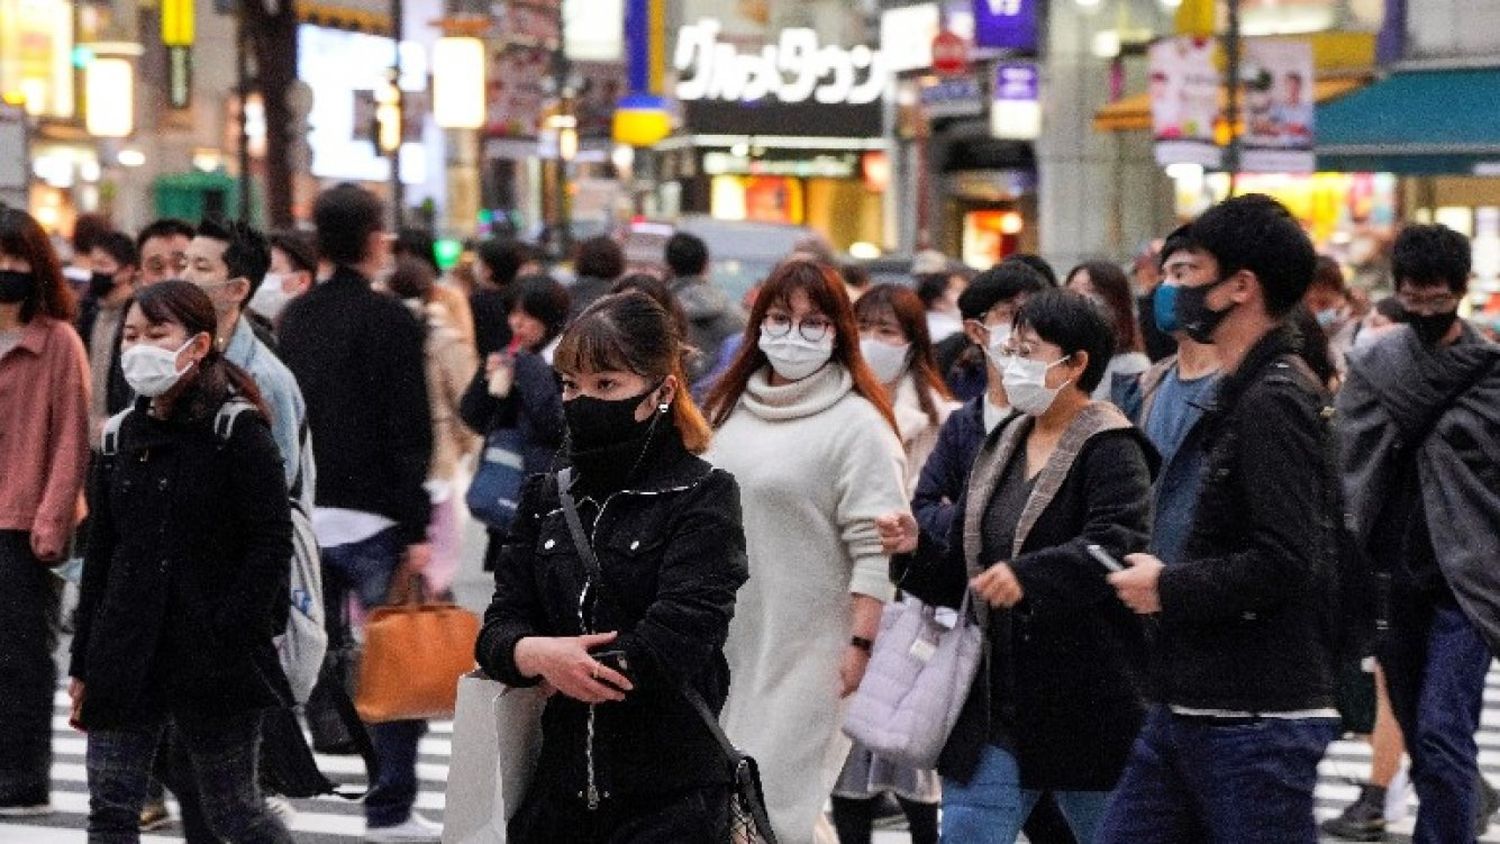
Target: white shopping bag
column 497, row 734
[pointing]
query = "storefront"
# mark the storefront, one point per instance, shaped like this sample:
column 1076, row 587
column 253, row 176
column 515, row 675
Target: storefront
column 788, row 133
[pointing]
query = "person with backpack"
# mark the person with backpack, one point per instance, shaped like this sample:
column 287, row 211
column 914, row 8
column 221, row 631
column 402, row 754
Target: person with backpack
column 1419, row 415
column 184, row 582
column 44, row 404
column 1246, row 633
column 712, row 316
column 615, row 590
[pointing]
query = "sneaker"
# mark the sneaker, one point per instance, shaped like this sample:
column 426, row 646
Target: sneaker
column 282, row 808
column 1362, row 820
column 416, row 828
column 154, row 815
column 25, row 810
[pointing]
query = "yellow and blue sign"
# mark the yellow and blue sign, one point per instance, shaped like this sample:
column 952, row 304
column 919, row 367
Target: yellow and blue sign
column 641, row 117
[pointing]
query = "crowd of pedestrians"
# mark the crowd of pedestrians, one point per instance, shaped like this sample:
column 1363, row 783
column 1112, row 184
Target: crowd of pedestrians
column 1209, row 516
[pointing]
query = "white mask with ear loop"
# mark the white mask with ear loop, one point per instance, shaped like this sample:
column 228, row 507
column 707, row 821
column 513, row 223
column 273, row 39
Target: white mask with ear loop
column 152, row 370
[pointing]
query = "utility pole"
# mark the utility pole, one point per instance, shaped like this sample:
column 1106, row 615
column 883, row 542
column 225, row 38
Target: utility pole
column 398, row 192
column 1232, row 47
column 562, row 69
column 242, row 73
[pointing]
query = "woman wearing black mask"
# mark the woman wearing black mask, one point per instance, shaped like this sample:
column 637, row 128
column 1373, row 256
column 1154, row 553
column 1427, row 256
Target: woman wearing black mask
column 624, row 754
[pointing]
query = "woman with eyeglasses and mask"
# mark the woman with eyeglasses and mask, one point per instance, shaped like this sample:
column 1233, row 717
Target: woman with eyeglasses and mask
column 896, row 345
column 44, row 402
column 184, row 582
column 624, row 755
column 806, row 428
column 1058, row 703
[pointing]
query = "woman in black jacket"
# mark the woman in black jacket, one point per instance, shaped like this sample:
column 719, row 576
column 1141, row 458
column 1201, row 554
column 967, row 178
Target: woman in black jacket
column 1061, row 699
column 185, row 580
column 624, row 755
column 518, row 389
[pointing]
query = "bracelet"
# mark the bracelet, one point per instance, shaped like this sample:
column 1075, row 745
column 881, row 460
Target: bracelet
column 862, row 643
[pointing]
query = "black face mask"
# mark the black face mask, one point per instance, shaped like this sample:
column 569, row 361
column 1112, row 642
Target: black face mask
column 1431, row 328
column 101, row 284
column 596, row 423
column 1194, row 316
column 16, row 286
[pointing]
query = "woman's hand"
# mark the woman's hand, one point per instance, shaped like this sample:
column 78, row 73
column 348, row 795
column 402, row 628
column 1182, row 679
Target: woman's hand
column 898, row 533
column 852, row 669
column 564, row 664
column 998, row 585
column 1137, row 586
column 75, row 691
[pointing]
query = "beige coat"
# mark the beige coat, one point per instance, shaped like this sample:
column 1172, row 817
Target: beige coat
column 451, row 364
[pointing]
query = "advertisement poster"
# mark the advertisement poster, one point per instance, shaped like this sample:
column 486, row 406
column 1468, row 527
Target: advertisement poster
column 1277, row 90
column 1185, row 104
column 1006, row 24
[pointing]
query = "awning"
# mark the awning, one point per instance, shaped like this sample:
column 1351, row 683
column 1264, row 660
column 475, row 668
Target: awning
column 1133, row 114
column 352, row 15
column 1416, row 122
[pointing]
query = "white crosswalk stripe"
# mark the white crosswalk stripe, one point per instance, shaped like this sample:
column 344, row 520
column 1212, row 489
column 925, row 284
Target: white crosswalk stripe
column 332, row 820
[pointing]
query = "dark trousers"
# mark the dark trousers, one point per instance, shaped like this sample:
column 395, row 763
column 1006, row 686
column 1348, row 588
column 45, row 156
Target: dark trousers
column 29, row 601
column 1248, row 782
column 364, row 569
column 700, row 816
column 213, row 775
column 854, row 819
column 1435, row 663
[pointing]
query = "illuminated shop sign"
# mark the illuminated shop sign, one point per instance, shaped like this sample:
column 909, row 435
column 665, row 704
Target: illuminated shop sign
column 796, row 69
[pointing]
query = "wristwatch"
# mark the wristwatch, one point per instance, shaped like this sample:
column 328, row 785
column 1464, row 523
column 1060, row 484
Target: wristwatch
column 862, row 643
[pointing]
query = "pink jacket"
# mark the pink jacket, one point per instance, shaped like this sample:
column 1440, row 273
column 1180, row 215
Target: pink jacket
column 44, row 432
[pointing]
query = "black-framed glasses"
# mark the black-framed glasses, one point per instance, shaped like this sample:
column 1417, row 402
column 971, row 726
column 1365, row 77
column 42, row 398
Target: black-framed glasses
column 813, row 329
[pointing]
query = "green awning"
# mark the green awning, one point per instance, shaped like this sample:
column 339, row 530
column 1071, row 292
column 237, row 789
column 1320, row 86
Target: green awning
column 1415, row 122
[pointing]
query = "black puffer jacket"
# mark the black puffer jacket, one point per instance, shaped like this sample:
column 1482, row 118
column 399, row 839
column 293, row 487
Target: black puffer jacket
column 1247, row 621
column 672, row 551
column 185, row 580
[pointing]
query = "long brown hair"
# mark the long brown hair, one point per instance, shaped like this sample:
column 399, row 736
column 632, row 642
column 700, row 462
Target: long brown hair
column 906, row 307
column 825, row 290
column 631, row 332
column 1111, row 285
column 22, row 237
column 185, row 304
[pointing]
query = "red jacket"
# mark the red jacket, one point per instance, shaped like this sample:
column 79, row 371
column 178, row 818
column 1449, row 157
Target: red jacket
column 44, row 432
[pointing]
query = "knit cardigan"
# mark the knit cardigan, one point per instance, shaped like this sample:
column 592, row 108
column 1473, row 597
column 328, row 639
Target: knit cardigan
column 816, row 464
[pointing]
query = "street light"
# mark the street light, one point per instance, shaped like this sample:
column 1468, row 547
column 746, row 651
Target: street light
column 458, row 81
column 109, row 86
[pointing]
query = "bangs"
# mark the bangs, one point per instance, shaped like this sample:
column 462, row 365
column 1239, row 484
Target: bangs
column 594, row 344
column 822, row 286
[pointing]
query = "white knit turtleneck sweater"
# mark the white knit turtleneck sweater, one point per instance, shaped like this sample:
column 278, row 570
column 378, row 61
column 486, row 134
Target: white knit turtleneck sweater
column 816, row 465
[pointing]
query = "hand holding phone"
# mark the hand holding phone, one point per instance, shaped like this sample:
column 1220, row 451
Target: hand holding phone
column 615, row 660
column 1103, row 558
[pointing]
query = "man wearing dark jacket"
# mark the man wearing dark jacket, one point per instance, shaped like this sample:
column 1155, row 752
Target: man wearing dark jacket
column 1420, row 421
column 358, row 357
column 712, row 317
column 1245, row 638
column 988, row 306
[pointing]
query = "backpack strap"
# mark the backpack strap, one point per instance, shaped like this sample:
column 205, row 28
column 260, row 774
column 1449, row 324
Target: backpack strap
column 109, row 439
column 228, row 413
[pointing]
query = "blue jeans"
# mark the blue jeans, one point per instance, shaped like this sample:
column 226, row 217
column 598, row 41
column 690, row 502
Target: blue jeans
column 1248, row 782
column 216, row 780
column 364, row 569
column 1435, row 662
column 992, row 807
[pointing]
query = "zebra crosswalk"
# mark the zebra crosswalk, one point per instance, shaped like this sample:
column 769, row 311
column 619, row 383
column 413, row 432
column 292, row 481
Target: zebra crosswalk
column 333, row 820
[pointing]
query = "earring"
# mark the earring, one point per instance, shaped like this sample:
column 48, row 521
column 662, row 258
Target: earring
column 663, row 407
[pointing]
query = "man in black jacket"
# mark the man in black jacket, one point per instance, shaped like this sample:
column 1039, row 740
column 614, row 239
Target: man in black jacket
column 358, row 357
column 1246, row 629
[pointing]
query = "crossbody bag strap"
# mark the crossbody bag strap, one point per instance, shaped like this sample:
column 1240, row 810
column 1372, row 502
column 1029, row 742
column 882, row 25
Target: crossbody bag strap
column 575, row 525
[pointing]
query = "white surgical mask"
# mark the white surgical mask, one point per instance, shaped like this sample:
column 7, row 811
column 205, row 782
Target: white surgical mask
column 999, row 336
column 270, row 298
column 1026, row 385
column 886, row 361
column 150, row 370
column 793, row 357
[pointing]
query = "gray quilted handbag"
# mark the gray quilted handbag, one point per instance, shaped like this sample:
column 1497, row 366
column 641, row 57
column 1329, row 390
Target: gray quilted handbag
column 924, row 662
